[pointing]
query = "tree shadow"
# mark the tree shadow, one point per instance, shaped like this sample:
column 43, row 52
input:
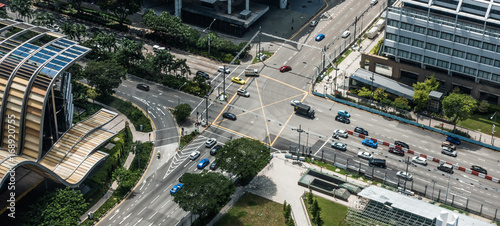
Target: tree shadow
column 263, row 186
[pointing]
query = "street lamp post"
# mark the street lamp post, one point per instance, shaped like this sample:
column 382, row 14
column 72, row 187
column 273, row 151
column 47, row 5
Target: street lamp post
column 299, row 130
column 371, row 94
column 434, row 184
column 493, row 127
column 178, row 97
column 307, row 140
column 447, row 189
column 208, row 28
column 336, row 70
column 345, row 90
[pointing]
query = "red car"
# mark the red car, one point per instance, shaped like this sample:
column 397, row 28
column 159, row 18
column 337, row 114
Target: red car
column 397, row 151
column 285, row 68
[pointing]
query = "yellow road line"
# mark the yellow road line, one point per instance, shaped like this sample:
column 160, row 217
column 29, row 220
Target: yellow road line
column 263, row 112
column 255, row 109
column 284, row 125
column 225, row 107
column 286, row 84
column 305, row 25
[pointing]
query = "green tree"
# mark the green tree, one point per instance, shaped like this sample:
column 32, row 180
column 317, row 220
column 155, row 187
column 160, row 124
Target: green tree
column 121, row 8
column 284, row 205
column 421, row 92
column 379, row 94
column 483, row 106
column 77, row 4
column 290, row 222
column 315, row 208
column 310, row 197
column 458, row 107
column 22, row 8
column 129, row 53
column 207, row 191
column 43, row 19
column 74, row 31
column 62, row 207
column 364, row 92
column 125, row 178
column 181, row 112
column 317, row 218
column 243, row 157
column 163, row 61
column 401, row 103
column 104, row 76
column 171, row 28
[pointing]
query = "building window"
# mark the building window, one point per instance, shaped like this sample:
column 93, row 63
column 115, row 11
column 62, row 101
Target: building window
column 483, row 74
column 406, row 26
column 417, row 43
column 390, row 50
column 431, row 46
column 486, row 60
column 460, row 39
column 416, row 57
column 403, row 53
column 497, row 63
column 443, row 64
column 393, row 23
column 391, row 36
column 447, row 36
column 433, row 32
column 475, row 43
column 404, row 40
column 488, row 46
column 472, row 57
column 444, row 50
column 495, row 77
column 419, row 29
column 470, row 71
column 430, row 61
column 458, row 53
column 456, row 67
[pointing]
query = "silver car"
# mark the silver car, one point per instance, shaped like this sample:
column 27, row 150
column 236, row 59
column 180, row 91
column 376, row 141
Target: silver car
column 419, row 160
column 346, row 34
column 341, row 133
column 243, row 92
column 405, row 176
column 365, row 155
column 313, row 23
column 194, row 155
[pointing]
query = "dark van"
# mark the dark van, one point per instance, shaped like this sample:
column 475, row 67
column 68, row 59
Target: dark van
column 378, row 163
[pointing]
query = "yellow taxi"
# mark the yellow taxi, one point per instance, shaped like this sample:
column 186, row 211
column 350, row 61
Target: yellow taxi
column 238, row 80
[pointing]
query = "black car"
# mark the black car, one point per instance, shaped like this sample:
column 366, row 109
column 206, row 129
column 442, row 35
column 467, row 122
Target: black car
column 361, row 130
column 213, row 166
column 397, row 151
column 202, row 74
column 446, row 168
column 143, row 87
column 402, row 144
column 342, row 119
column 229, row 116
column 215, row 149
column 479, row 169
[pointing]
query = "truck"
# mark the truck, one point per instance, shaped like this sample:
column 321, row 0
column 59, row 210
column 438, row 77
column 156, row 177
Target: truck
column 372, row 33
column 303, row 109
column 251, row 72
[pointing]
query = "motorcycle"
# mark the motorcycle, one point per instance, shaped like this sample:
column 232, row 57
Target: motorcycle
column 158, row 154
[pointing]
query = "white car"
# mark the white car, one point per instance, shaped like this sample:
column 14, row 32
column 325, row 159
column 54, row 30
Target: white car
column 373, row 2
column 346, row 34
column 448, row 151
column 295, row 102
column 243, row 92
column 419, row 160
column 194, row 155
column 365, row 155
column 221, row 69
column 403, row 175
column 210, row 142
column 341, row 133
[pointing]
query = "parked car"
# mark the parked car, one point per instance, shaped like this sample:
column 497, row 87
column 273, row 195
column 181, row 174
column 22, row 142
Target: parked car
column 419, row 160
column 221, row 69
column 285, row 68
column 449, row 145
column 203, row 163
column 370, row 143
column 373, row 2
column 341, row 133
column 194, row 155
column 448, row 151
column 402, row 144
column 361, row 131
column 446, row 168
column 397, row 151
column 313, row 23
column 342, row 119
column 295, row 102
column 238, row 80
column 143, row 87
column 210, row 142
column 479, row 169
column 202, row 74
column 365, row 155
column 339, row 146
column 346, row 34
column 215, row 149
column 344, row 113
column 213, row 166
column 176, row 188
column 229, row 115
column 453, row 140
column 405, row 176
column 320, row 37
column 243, row 92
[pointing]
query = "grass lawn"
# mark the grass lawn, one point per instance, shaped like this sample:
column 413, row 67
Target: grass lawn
column 332, row 213
column 481, row 122
column 253, row 210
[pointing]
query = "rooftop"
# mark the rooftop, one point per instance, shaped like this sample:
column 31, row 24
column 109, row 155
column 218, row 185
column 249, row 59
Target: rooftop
column 388, row 84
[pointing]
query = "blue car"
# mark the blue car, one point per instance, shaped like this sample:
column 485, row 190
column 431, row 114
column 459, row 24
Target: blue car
column 453, row 140
column 176, row 188
column 344, row 113
column 370, row 143
column 320, row 37
column 203, row 163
